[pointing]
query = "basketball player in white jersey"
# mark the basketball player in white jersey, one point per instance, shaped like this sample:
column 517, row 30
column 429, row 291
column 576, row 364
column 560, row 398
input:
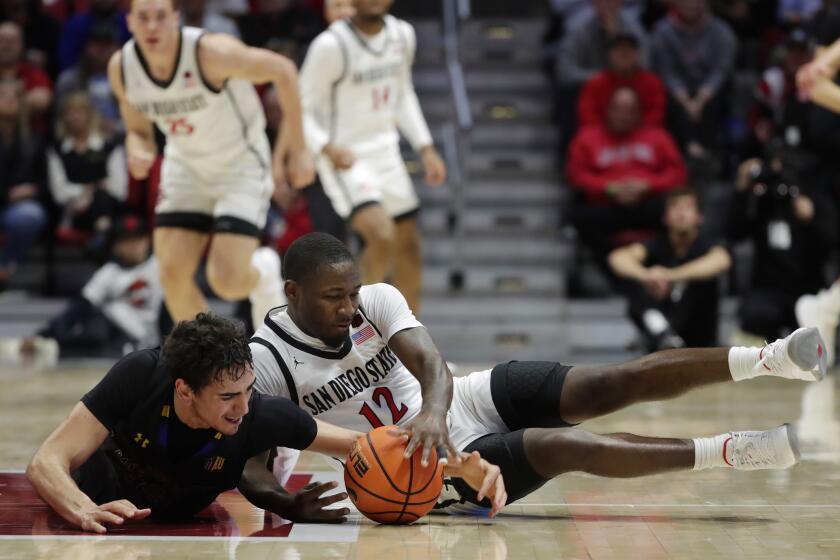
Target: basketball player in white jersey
column 355, row 356
column 218, row 171
column 357, row 92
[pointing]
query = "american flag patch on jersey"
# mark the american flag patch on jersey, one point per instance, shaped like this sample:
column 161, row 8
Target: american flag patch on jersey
column 363, row 335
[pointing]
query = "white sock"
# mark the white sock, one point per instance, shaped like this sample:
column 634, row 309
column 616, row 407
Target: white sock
column 708, row 452
column 743, row 362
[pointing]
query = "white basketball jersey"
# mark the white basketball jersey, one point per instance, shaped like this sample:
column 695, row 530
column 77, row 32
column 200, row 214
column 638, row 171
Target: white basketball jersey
column 363, row 104
column 361, row 385
column 205, row 128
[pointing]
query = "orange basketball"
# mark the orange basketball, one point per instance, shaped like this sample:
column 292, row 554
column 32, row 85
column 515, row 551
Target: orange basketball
column 384, row 485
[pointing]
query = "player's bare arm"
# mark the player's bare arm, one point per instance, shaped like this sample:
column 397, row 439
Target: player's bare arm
column 308, row 505
column 417, row 351
column 223, row 57
column 67, row 448
column 139, row 138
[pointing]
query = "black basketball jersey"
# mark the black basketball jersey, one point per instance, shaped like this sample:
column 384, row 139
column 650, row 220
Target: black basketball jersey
column 163, row 464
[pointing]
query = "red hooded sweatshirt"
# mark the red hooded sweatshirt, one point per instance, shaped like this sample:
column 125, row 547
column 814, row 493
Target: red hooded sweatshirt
column 597, row 158
column 595, row 96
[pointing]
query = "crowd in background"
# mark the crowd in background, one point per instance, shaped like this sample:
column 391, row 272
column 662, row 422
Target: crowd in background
column 63, row 174
column 646, row 98
column 649, row 99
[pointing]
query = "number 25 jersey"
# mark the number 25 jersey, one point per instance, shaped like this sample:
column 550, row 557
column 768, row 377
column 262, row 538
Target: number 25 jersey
column 361, row 385
column 206, row 129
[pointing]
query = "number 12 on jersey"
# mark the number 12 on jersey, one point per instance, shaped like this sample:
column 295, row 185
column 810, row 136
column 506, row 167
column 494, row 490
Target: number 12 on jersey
column 383, row 394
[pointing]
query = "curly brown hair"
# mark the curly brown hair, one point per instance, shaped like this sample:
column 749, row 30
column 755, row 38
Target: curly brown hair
column 207, row 349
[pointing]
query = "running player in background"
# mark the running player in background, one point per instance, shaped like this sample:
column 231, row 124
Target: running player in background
column 356, row 356
column 357, row 92
column 217, row 176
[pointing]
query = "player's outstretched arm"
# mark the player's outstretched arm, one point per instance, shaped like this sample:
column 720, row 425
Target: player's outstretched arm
column 259, row 487
column 417, row 351
column 67, row 448
column 483, row 477
column 222, row 57
column 139, row 138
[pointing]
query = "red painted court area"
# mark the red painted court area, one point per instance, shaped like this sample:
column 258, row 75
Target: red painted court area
column 23, row 513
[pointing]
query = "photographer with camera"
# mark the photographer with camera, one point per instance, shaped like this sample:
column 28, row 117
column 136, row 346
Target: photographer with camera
column 791, row 227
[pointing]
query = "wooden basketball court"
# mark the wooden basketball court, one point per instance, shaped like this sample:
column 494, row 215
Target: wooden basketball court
column 787, row 514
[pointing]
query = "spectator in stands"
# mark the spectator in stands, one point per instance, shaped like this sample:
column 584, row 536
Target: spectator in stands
column 40, row 32
column 22, row 215
column 280, row 19
column 36, row 83
column 624, row 70
column 621, row 169
column 791, row 229
column 116, row 313
column 673, row 279
column 90, row 75
column 335, row 10
column 584, row 50
column 76, row 30
column 194, row 13
column 87, row 170
column 694, row 53
column 778, row 111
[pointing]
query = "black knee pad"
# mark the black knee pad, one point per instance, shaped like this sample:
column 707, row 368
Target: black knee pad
column 527, row 394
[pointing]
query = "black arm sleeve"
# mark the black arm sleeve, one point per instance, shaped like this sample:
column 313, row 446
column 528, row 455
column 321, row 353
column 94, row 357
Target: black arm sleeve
column 278, row 422
column 113, row 398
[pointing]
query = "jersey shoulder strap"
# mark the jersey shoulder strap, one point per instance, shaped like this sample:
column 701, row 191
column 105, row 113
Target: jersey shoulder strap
column 284, row 369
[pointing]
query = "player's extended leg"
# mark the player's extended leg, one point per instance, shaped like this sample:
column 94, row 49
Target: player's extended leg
column 408, row 263
column 591, row 391
column 179, row 251
column 378, row 232
column 554, row 451
column 237, row 268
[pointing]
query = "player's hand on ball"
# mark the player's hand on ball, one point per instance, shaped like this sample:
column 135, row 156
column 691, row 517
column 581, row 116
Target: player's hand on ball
column 300, row 168
column 427, row 430
column 309, row 504
column 483, row 477
column 94, row 519
column 434, row 166
column 341, row 158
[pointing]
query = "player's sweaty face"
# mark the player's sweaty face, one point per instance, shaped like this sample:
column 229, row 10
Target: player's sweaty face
column 329, row 303
column 154, row 23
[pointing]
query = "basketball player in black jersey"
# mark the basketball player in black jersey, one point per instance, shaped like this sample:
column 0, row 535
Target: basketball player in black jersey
column 167, row 430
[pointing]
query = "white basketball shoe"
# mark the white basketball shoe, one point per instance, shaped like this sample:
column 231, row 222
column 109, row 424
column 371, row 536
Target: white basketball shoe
column 800, row 355
column 769, row 449
column 268, row 292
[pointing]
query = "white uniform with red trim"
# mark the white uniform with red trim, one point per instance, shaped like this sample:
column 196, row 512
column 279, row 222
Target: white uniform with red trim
column 217, row 157
column 356, row 92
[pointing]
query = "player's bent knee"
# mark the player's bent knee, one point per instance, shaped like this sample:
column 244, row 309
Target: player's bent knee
column 228, row 282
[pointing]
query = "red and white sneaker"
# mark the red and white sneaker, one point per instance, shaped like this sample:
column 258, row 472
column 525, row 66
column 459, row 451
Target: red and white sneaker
column 800, row 355
column 769, row 449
